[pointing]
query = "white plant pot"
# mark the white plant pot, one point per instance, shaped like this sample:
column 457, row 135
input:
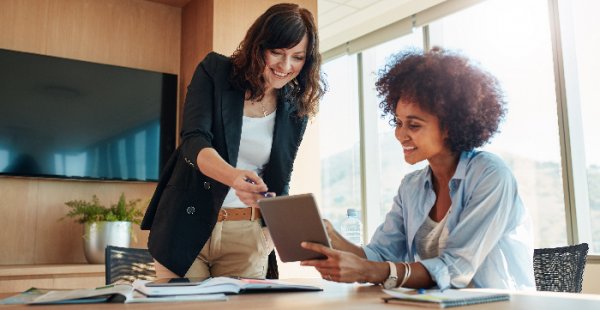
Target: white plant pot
column 98, row 235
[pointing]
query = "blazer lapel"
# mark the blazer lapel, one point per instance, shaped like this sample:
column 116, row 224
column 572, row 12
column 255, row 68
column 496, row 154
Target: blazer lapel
column 232, row 111
column 282, row 126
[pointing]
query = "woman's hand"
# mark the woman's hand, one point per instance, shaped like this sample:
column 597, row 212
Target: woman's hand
column 338, row 242
column 341, row 266
column 249, row 187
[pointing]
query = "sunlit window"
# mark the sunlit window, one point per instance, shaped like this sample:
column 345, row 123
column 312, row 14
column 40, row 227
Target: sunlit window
column 581, row 21
column 515, row 46
column 392, row 166
column 339, row 141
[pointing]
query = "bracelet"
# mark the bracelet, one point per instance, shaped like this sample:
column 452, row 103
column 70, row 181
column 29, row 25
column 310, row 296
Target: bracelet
column 407, row 272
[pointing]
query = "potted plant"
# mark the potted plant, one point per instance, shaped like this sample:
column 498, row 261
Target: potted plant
column 105, row 225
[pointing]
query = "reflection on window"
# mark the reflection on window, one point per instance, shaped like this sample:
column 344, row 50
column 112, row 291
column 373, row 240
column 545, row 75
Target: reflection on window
column 515, row 46
column 140, row 155
column 339, row 141
column 3, row 159
column 75, row 164
column 59, row 164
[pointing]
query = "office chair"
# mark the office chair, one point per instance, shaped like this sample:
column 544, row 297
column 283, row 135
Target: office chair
column 560, row 269
column 124, row 265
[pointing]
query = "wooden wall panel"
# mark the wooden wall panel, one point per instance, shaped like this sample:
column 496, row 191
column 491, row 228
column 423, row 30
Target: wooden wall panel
column 233, row 18
column 18, row 208
column 51, row 196
column 196, row 28
column 132, row 33
column 23, row 25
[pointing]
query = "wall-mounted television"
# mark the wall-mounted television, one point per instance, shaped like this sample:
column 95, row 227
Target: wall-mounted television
column 65, row 118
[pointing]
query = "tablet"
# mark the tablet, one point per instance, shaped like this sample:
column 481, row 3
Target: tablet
column 176, row 282
column 291, row 220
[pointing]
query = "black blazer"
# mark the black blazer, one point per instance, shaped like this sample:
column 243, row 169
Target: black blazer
column 185, row 204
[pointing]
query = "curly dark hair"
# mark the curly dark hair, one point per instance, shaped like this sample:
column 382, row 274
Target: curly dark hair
column 467, row 100
column 281, row 26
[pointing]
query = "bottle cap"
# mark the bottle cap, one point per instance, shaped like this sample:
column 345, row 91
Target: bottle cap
column 352, row 212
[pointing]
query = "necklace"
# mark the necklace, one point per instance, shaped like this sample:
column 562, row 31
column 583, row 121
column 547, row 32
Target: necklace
column 262, row 105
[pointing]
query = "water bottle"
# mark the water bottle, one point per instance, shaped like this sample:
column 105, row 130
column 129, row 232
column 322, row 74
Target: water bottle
column 352, row 227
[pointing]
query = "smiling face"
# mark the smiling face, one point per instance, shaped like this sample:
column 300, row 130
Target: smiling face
column 283, row 64
column 419, row 133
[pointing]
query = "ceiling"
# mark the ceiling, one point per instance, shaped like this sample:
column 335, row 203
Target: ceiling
column 343, row 20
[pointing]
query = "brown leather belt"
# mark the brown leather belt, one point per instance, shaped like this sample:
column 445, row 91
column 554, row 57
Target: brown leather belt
column 239, row 214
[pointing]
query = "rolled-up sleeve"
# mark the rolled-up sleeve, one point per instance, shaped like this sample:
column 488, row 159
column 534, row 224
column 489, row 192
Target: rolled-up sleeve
column 389, row 240
column 198, row 110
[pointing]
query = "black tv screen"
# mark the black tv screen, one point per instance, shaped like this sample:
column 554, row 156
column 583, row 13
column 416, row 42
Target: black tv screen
column 64, row 118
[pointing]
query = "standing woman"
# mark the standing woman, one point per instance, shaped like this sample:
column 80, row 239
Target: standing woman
column 243, row 122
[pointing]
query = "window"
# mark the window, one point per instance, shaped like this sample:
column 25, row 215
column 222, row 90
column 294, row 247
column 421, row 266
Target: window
column 390, row 166
column 339, row 143
column 515, row 46
column 581, row 45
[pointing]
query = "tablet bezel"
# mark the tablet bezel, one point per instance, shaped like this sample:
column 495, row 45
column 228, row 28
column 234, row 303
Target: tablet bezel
column 291, row 220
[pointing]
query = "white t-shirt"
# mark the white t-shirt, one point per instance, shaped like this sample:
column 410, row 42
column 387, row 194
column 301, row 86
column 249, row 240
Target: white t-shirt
column 255, row 150
column 431, row 238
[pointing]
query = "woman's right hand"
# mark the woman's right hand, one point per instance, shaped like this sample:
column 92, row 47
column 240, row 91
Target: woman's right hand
column 248, row 187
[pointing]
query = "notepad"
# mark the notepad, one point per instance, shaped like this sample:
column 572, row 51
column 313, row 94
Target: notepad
column 442, row 299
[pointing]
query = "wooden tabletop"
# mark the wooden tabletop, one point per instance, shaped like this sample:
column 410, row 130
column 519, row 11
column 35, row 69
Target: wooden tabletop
column 345, row 296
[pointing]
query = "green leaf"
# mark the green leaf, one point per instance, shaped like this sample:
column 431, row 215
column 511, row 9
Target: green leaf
column 83, row 211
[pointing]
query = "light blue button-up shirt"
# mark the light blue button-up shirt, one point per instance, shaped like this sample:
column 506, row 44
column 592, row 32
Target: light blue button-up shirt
column 490, row 239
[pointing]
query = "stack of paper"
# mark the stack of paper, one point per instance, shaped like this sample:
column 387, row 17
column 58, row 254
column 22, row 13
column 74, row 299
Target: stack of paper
column 441, row 299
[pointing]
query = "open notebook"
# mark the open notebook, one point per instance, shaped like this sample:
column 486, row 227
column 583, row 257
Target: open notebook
column 225, row 285
column 119, row 293
column 442, row 299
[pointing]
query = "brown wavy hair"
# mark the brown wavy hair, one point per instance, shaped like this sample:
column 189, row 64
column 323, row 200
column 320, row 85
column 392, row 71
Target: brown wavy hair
column 467, row 100
column 281, row 26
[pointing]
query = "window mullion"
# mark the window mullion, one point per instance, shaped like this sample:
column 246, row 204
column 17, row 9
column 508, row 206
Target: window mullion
column 369, row 147
column 577, row 210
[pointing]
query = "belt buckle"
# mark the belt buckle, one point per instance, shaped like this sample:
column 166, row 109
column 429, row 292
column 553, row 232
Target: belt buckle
column 252, row 214
column 224, row 214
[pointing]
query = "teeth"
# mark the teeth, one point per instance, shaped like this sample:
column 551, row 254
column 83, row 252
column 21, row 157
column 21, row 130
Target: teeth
column 409, row 148
column 279, row 74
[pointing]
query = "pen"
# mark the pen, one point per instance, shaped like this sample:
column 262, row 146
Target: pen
column 264, row 194
column 106, row 286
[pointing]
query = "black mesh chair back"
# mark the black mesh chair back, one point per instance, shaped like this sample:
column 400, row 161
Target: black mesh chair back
column 124, row 265
column 560, row 269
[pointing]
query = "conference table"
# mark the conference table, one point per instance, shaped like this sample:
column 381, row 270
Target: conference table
column 342, row 296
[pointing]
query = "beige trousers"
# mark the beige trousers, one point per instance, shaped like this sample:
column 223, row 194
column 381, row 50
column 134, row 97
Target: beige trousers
column 235, row 248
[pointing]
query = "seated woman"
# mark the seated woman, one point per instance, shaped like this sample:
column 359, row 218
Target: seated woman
column 459, row 222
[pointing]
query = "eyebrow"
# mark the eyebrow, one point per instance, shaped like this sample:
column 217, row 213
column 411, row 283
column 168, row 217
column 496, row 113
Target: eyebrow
column 412, row 117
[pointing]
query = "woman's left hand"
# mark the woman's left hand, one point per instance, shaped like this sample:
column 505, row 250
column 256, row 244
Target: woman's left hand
column 339, row 266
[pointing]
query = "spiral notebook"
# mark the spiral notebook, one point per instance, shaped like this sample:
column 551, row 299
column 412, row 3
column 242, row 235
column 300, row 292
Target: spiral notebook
column 442, row 299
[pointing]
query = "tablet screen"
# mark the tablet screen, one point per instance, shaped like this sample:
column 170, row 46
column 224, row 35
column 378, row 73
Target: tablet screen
column 291, row 220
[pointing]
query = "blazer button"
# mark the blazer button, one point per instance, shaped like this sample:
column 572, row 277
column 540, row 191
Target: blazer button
column 190, row 210
column 206, row 185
